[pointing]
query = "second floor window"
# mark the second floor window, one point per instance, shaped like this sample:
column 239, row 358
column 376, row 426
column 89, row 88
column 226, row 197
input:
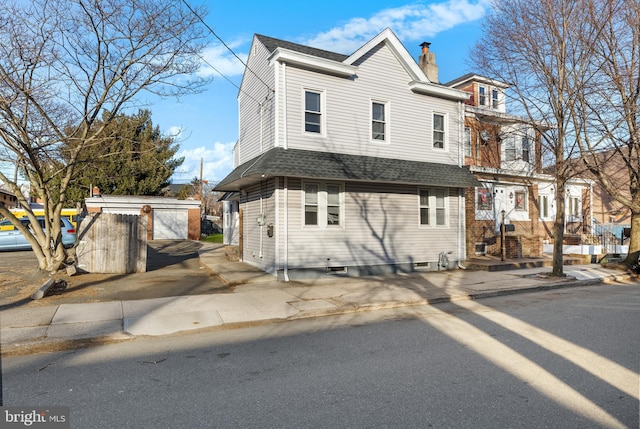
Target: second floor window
column 510, row 152
column 494, row 99
column 378, row 121
column 482, row 96
column 467, row 141
column 312, row 112
column 526, row 148
column 438, row 131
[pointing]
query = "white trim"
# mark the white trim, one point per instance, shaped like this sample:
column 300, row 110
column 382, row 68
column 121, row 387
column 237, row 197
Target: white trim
column 426, row 88
column 313, row 62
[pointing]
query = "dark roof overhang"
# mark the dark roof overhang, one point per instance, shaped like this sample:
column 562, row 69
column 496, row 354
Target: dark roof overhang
column 280, row 162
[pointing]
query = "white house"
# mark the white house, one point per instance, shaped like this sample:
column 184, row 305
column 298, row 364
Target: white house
column 347, row 164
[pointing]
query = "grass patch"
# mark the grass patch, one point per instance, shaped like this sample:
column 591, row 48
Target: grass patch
column 213, row 238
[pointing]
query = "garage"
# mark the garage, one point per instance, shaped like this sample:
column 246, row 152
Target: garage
column 168, row 218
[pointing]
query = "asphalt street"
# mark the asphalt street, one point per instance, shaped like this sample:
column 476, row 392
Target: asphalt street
column 566, row 358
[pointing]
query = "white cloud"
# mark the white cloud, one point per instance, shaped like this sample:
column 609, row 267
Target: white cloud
column 217, row 162
column 223, row 61
column 410, row 23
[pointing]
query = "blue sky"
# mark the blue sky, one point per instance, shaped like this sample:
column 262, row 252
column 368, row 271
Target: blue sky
column 207, row 123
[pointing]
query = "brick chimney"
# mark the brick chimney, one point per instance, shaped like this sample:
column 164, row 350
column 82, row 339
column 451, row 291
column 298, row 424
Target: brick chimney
column 428, row 64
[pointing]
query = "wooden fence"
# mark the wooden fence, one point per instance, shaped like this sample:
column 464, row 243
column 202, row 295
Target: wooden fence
column 112, row 243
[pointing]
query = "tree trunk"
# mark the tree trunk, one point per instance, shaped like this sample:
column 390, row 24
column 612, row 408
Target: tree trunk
column 558, row 230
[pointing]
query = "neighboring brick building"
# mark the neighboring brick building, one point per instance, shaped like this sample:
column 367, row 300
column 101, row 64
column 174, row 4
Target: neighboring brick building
column 504, row 153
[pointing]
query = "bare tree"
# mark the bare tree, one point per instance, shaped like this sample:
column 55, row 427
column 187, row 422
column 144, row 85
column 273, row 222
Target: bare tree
column 540, row 51
column 67, row 69
column 607, row 113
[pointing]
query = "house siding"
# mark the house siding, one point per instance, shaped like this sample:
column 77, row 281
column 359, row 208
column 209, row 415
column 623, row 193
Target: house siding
column 256, row 110
column 380, row 227
column 347, row 110
column 258, row 248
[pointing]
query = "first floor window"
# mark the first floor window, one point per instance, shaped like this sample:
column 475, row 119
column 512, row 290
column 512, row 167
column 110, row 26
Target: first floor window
column 433, row 207
column 574, row 206
column 312, row 112
column 323, row 204
column 521, row 200
column 543, row 203
column 424, row 207
column 311, row 204
column 485, row 199
column 333, row 205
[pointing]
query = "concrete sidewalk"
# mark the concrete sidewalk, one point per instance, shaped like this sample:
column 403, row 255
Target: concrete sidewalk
column 258, row 297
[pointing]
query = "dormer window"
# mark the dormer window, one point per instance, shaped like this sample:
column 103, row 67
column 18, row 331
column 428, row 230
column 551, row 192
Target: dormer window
column 482, row 96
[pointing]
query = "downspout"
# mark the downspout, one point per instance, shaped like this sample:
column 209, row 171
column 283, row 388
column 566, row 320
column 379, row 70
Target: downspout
column 462, row 230
column 461, row 198
column 460, row 134
column 285, row 138
column 276, row 249
column 286, row 229
column 261, row 221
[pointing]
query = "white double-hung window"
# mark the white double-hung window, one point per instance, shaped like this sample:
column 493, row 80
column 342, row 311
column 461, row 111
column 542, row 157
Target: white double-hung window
column 467, row 142
column 313, row 120
column 439, row 134
column 433, row 207
column 379, row 121
column 323, row 204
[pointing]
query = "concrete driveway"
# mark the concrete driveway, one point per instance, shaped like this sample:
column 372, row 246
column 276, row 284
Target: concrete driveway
column 173, row 269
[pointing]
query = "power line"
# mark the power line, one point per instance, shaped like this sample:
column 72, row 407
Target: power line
column 226, row 78
column 226, row 46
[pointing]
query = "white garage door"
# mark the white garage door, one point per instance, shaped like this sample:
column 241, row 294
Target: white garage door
column 170, row 224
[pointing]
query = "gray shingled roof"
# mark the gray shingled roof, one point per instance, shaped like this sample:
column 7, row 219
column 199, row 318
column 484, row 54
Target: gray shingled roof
column 272, row 44
column 334, row 166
